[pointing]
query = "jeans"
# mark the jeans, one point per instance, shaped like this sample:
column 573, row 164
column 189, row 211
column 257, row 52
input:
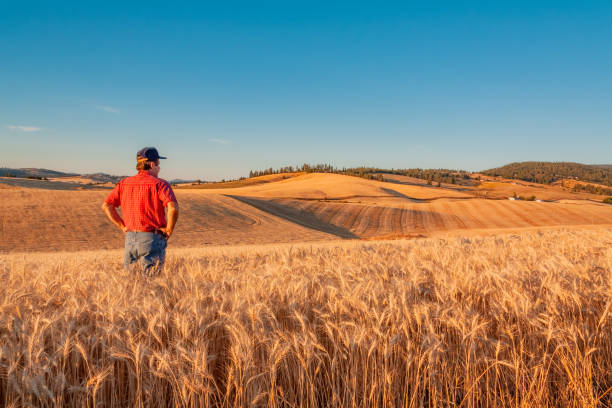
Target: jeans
column 149, row 247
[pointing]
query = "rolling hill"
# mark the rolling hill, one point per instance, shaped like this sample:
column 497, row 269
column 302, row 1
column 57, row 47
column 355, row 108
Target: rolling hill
column 36, row 173
column 308, row 207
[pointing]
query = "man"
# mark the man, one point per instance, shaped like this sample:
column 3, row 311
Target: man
column 142, row 199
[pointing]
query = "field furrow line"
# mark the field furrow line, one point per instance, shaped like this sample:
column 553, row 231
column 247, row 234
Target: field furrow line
column 373, row 221
column 354, row 216
column 507, row 217
column 447, row 219
column 457, row 221
column 584, row 214
column 395, row 220
column 466, row 212
column 369, row 221
column 419, row 219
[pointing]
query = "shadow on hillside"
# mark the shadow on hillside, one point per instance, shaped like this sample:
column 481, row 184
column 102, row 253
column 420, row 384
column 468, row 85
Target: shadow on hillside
column 296, row 216
column 455, row 187
column 401, row 195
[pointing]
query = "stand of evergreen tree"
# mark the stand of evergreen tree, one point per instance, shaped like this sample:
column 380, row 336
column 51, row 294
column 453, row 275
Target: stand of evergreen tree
column 589, row 188
column 549, row 172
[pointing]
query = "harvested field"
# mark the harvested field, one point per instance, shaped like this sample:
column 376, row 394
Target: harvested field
column 52, row 184
column 270, row 178
column 40, row 220
column 338, row 187
column 387, row 218
column 509, row 320
column 312, row 207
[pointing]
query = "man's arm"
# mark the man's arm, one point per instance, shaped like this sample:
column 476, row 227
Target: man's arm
column 113, row 215
column 173, row 212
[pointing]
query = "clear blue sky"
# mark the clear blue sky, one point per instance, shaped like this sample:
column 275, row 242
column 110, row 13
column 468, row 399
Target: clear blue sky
column 225, row 87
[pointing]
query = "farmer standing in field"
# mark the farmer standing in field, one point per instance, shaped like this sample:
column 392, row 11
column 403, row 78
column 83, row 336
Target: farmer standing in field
column 142, row 199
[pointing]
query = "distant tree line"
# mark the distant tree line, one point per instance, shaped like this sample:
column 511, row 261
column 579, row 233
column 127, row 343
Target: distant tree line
column 28, row 177
column 589, row 188
column 308, row 168
column 435, row 175
column 549, row 172
column 372, row 173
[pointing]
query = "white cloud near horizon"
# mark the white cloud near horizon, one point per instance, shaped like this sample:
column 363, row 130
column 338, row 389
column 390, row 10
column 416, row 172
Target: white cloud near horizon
column 219, row 141
column 21, row 128
column 109, row 109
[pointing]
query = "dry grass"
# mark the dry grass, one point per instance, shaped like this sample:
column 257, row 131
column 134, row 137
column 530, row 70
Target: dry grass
column 505, row 321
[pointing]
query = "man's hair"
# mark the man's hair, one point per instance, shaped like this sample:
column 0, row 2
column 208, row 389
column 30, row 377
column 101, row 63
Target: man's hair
column 145, row 165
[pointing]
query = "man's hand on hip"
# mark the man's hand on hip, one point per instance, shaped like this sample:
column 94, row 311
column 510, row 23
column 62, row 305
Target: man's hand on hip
column 167, row 232
column 113, row 215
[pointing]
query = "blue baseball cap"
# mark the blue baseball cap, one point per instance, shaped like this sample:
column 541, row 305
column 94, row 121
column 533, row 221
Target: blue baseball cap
column 148, row 153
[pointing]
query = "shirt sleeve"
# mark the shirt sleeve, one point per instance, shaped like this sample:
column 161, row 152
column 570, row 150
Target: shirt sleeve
column 113, row 198
column 166, row 195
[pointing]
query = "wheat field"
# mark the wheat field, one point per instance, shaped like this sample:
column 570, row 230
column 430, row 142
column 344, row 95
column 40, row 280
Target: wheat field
column 521, row 320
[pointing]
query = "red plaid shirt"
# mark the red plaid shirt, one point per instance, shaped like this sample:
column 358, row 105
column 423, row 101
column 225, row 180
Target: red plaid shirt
column 142, row 199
